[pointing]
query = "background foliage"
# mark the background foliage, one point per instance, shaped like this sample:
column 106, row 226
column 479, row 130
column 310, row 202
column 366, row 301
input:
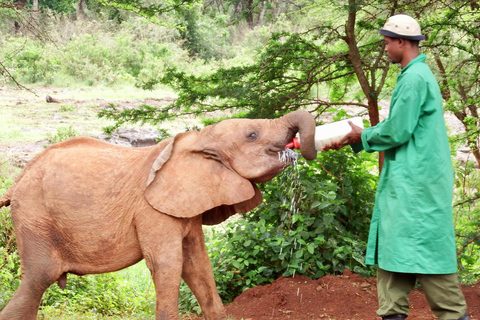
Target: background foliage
column 248, row 58
column 314, row 221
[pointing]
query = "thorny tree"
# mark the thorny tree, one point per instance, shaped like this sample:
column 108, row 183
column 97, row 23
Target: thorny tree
column 340, row 61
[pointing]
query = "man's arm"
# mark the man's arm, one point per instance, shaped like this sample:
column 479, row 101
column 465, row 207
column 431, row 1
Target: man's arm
column 352, row 138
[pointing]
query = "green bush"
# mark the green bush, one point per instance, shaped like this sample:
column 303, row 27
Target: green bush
column 466, row 213
column 314, row 221
column 62, row 134
column 28, row 60
column 188, row 302
column 206, row 37
column 93, row 53
column 9, row 273
column 106, row 294
column 9, row 259
column 94, row 60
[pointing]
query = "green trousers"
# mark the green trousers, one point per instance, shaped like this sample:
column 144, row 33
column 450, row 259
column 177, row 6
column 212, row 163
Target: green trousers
column 442, row 291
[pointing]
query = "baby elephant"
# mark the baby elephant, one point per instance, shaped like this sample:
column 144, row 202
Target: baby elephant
column 84, row 207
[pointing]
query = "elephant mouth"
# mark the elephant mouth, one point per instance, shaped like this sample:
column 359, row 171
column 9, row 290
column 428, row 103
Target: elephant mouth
column 287, row 156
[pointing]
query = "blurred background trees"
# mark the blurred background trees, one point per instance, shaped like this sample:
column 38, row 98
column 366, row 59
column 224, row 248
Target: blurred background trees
column 259, row 58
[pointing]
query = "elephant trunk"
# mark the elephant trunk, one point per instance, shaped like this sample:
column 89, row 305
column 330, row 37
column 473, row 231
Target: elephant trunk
column 304, row 123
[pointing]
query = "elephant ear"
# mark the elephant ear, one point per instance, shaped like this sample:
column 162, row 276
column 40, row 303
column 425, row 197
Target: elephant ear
column 219, row 214
column 184, row 183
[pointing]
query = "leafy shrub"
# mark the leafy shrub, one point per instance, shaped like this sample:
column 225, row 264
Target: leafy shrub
column 188, row 302
column 62, row 134
column 67, row 108
column 9, row 260
column 28, row 60
column 105, row 294
column 467, row 219
column 94, row 60
column 9, row 272
column 205, row 37
column 90, row 53
column 314, row 221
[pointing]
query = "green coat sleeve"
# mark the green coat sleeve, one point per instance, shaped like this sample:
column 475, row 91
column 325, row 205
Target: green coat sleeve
column 399, row 127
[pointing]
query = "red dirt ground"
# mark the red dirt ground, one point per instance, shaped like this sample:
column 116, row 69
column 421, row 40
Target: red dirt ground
column 331, row 297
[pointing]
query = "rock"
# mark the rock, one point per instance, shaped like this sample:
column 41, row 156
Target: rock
column 132, row 137
column 465, row 155
column 51, row 99
column 21, row 154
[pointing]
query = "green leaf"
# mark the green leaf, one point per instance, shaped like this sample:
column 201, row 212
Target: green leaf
column 311, row 248
column 328, row 219
column 320, row 205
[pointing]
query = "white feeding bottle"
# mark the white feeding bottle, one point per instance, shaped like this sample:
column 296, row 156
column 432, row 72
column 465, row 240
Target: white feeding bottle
column 328, row 133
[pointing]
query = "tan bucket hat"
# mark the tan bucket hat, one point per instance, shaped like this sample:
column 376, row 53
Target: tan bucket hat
column 402, row 26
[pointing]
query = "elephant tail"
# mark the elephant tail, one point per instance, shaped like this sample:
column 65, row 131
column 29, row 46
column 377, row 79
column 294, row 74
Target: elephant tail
column 7, row 197
column 5, row 200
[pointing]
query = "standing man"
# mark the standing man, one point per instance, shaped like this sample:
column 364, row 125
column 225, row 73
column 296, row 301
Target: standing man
column 411, row 233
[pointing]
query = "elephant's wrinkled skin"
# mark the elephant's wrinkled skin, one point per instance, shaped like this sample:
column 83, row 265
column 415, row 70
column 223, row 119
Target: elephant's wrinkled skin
column 83, row 206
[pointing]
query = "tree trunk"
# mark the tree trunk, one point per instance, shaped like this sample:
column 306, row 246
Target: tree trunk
column 80, row 10
column 237, row 9
column 262, row 13
column 249, row 14
column 354, row 57
column 19, row 4
column 277, row 8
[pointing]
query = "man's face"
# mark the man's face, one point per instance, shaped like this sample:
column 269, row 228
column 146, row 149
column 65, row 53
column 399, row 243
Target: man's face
column 394, row 52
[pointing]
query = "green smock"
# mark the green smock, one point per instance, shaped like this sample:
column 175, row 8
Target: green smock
column 412, row 225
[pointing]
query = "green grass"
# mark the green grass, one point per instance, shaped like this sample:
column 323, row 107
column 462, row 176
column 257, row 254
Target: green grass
column 131, row 289
column 139, row 275
column 27, row 117
column 53, row 314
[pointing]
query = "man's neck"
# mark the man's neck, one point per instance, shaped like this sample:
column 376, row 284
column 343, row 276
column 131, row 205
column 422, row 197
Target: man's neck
column 409, row 56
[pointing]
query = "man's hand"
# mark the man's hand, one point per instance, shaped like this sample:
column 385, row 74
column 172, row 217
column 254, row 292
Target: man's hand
column 353, row 137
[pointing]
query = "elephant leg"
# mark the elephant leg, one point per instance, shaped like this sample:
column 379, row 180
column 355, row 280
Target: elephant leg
column 197, row 273
column 26, row 300
column 165, row 264
column 40, row 269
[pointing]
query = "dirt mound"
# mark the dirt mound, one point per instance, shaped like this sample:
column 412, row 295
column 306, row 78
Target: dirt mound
column 331, row 297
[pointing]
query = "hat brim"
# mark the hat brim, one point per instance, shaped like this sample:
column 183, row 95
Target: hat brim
column 396, row 35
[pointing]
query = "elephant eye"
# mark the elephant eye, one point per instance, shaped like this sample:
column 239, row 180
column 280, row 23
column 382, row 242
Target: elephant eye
column 252, row 136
